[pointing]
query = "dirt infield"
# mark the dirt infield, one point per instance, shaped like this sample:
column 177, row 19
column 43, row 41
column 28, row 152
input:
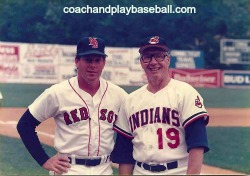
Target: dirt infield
column 218, row 117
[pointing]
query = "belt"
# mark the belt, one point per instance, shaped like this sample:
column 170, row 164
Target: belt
column 89, row 161
column 158, row 167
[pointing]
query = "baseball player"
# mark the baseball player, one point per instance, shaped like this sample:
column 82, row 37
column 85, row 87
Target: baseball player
column 84, row 109
column 161, row 126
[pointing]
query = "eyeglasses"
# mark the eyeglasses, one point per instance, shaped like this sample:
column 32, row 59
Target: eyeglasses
column 148, row 58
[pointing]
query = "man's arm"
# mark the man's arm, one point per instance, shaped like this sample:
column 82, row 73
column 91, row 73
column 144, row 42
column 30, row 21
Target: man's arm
column 123, row 154
column 196, row 139
column 126, row 169
column 26, row 129
column 195, row 161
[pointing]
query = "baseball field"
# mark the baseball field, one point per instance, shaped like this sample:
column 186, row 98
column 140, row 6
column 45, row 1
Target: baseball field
column 228, row 130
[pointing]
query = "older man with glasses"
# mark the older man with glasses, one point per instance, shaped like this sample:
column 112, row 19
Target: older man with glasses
column 162, row 125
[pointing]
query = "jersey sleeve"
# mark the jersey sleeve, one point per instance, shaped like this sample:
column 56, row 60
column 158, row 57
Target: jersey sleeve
column 123, row 150
column 26, row 129
column 196, row 135
column 45, row 106
column 192, row 107
column 122, row 125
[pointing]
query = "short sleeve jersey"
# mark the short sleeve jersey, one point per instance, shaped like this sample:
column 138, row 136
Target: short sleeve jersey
column 84, row 124
column 156, row 121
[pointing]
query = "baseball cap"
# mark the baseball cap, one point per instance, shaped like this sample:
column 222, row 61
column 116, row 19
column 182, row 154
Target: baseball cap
column 153, row 42
column 90, row 45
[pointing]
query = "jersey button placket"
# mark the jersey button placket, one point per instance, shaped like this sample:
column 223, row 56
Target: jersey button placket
column 91, row 118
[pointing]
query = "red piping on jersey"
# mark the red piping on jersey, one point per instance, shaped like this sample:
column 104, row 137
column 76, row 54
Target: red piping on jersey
column 122, row 133
column 99, row 118
column 88, row 115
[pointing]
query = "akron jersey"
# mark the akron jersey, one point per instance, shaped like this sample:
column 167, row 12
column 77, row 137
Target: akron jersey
column 157, row 121
column 83, row 123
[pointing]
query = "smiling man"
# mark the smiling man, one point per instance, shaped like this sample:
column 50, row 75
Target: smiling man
column 84, row 108
column 162, row 125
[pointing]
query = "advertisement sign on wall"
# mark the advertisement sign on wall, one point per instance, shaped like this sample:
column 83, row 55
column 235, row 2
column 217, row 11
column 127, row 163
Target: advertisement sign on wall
column 118, row 76
column 236, row 79
column 67, row 54
column 135, row 59
column 49, row 64
column 137, row 78
column 40, row 63
column 118, row 57
column 198, row 77
column 9, row 62
column 186, row 59
column 66, row 72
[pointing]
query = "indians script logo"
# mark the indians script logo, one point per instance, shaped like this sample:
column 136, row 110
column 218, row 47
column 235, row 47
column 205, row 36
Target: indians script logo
column 198, row 102
column 93, row 42
column 154, row 40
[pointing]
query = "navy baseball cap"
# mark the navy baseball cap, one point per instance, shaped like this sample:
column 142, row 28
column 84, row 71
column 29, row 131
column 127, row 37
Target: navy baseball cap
column 90, row 45
column 153, row 42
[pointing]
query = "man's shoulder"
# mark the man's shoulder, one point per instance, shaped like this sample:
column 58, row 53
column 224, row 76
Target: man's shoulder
column 138, row 91
column 182, row 88
column 177, row 84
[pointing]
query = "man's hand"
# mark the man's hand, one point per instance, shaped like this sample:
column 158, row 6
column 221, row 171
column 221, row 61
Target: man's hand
column 58, row 164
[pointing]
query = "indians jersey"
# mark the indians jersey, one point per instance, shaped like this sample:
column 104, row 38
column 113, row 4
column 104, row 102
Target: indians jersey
column 83, row 123
column 157, row 121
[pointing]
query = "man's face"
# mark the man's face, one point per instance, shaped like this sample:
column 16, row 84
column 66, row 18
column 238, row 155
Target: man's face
column 90, row 67
column 155, row 63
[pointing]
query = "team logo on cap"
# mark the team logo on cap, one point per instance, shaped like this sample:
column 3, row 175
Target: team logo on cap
column 154, row 40
column 93, row 42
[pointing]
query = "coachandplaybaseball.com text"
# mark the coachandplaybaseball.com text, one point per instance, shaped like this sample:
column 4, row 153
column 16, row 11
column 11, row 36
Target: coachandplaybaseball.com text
column 169, row 9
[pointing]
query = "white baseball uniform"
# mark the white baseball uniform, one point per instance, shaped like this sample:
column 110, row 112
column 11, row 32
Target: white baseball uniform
column 83, row 123
column 156, row 123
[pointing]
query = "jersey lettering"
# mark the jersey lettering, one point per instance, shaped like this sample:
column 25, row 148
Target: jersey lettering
column 172, row 134
column 144, row 117
column 103, row 114
column 154, row 115
column 134, row 121
column 151, row 115
column 166, row 115
column 157, row 116
column 175, row 118
column 73, row 116
column 109, row 116
column 83, row 113
column 66, row 118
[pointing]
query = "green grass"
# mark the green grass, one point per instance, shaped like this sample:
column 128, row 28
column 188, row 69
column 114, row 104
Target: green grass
column 21, row 95
column 16, row 160
column 225, row 97
column 229, row 148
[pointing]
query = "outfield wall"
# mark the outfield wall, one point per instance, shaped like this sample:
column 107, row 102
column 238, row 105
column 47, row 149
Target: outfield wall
column 32, row 63
column 40, row 65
